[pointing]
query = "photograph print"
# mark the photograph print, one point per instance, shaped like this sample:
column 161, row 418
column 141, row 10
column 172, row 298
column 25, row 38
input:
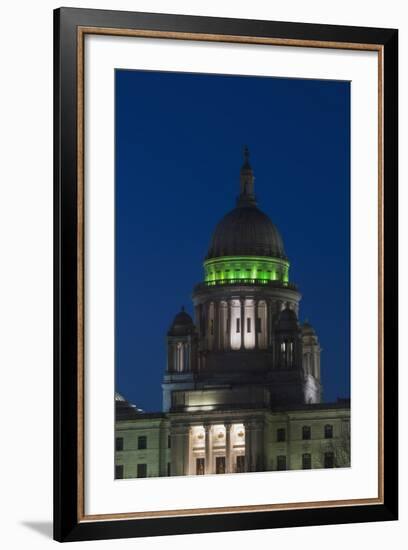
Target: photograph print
column 232, row 274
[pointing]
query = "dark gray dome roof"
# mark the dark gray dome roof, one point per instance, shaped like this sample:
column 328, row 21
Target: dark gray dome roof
column 246, row 231
column 182, row 324
column 307, row 328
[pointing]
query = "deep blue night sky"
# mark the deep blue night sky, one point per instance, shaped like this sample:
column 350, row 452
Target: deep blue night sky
column 179, row 140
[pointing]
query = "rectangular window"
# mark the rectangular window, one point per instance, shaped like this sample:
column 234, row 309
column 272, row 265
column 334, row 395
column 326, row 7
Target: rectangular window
column 238, row 325
column 142, row 442
column 329, row 460
column 258, row 325
column 281, row 462
column 306, row 432
column 240, row 463
column 119, row 444
column 281, row 434
column 142, row 470
column 248, row 324
column 168, row 469
column 220, row 464
column 328, row 431
column 212, row 327
column 119, row 471
column 169, row 441
column 200, row 465
column 306, row 461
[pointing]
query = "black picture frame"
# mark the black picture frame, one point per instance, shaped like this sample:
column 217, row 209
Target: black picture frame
column 67, row 525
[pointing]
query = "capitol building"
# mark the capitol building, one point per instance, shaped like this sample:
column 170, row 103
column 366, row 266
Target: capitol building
column 242, row 389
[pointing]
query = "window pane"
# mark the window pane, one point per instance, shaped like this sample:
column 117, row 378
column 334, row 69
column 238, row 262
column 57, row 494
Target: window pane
column 200, row 466
column 220, row 465
column 306, row 461
column 329, row 460
column 119, row 444
column 328, row 431
column 281, row 462
column 240, row 463
column 281, row 434
column 119, row 471
column 306, row 432
column 142, row 442
column 142, row 470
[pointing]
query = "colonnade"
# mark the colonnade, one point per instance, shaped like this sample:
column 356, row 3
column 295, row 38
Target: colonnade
column 234, row 456
column 237, row 323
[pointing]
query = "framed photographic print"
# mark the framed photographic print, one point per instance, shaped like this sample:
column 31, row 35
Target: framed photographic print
column 225, row 274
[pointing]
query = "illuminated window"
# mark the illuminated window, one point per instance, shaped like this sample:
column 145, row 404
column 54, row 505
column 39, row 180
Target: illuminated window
column 142, row 470
column 329, row 460
column 248, row 324
column 119, row 444
column 200, row 464
column 240, row 463
column 119, row 471
column 328, row 431
column 281, row 434
column 281, row 462
column 142, row 442
column 306, row 432
column 220, row 465
column 238, row 326
column 306, row 461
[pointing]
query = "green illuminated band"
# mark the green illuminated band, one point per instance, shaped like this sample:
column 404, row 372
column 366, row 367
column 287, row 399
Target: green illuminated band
column 259, row 268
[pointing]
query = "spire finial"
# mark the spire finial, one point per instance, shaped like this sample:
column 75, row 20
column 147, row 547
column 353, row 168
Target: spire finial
column 246, row 197
column 246, row 154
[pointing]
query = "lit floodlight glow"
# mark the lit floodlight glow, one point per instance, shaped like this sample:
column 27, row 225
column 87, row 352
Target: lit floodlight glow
column 231, row 269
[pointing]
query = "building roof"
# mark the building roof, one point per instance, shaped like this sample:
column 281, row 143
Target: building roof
column 125, row 410
column 182, row 324
column 246, row 230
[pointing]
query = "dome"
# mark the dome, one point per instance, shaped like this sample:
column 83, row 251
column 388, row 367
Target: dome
column 246, row 231
column 182, row 324
column 307, row 329
column 287, row 320
column 125, row 410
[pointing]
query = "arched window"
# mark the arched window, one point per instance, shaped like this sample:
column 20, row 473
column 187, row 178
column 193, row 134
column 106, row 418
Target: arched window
column 281, row 434
column 328, row 431
column 306, row 461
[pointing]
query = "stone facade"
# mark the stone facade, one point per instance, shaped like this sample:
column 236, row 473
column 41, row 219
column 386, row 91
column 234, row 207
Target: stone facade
column 315, row 436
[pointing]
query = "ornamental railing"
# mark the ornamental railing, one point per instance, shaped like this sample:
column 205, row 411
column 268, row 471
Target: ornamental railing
column 245, row 282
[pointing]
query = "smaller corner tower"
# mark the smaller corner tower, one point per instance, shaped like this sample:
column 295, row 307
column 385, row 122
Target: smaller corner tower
column 181, row 358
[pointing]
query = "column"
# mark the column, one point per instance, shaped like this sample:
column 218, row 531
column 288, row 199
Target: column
column 216, row 326
column 175, row 365
column 186, row 450
column 229, row 324
column 256, row 315
column 179, row 447
column 242, row 321
column 248, row 454
column 257, row 446
column 208, row 449
column 228, row 465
